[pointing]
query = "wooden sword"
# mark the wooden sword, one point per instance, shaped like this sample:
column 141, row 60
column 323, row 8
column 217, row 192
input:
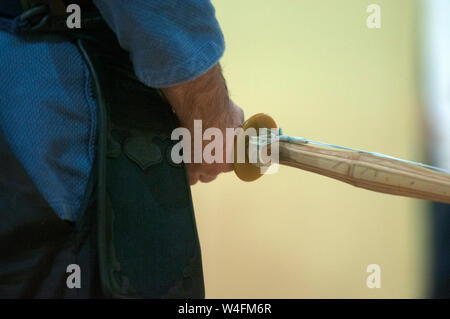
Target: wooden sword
column 369, row 170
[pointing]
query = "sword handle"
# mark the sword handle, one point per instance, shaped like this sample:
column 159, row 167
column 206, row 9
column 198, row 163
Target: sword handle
column 368, row 171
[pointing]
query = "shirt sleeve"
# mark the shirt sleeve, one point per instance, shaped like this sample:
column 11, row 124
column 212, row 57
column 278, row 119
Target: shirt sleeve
column 170, row 41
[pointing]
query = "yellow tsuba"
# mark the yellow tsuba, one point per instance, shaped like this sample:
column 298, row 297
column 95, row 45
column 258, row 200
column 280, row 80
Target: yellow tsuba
column 247, row 171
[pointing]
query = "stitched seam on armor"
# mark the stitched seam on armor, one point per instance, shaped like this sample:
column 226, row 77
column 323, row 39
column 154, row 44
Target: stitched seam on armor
column 92, row 109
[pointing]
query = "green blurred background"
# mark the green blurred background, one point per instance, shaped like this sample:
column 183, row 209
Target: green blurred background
column 322, row 74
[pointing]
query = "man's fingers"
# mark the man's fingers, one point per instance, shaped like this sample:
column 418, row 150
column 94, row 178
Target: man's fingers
column 207, row 178
column 206, row 172
column 193, row 179
column 227, row 168
column 192, row 174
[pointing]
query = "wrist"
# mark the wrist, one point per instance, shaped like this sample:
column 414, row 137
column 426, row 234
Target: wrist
column 205, row 96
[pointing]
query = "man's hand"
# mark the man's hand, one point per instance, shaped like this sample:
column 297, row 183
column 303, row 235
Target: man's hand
column 206, row 98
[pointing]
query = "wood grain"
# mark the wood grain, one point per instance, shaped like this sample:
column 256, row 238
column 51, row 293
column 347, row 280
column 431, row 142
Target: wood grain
column 368, row 171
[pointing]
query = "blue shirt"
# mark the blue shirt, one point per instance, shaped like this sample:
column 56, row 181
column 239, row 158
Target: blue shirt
column 47, row 112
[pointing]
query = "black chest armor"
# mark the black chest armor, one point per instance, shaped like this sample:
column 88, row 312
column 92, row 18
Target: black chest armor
column 137, row 236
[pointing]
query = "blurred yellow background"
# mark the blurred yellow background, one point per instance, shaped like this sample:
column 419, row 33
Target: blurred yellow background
column 322, row 74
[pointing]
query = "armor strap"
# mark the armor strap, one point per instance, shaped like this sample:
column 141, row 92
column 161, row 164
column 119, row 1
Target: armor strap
column 57, row 7
column 49, row 16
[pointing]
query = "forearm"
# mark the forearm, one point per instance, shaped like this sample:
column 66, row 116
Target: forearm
column 204, row 98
